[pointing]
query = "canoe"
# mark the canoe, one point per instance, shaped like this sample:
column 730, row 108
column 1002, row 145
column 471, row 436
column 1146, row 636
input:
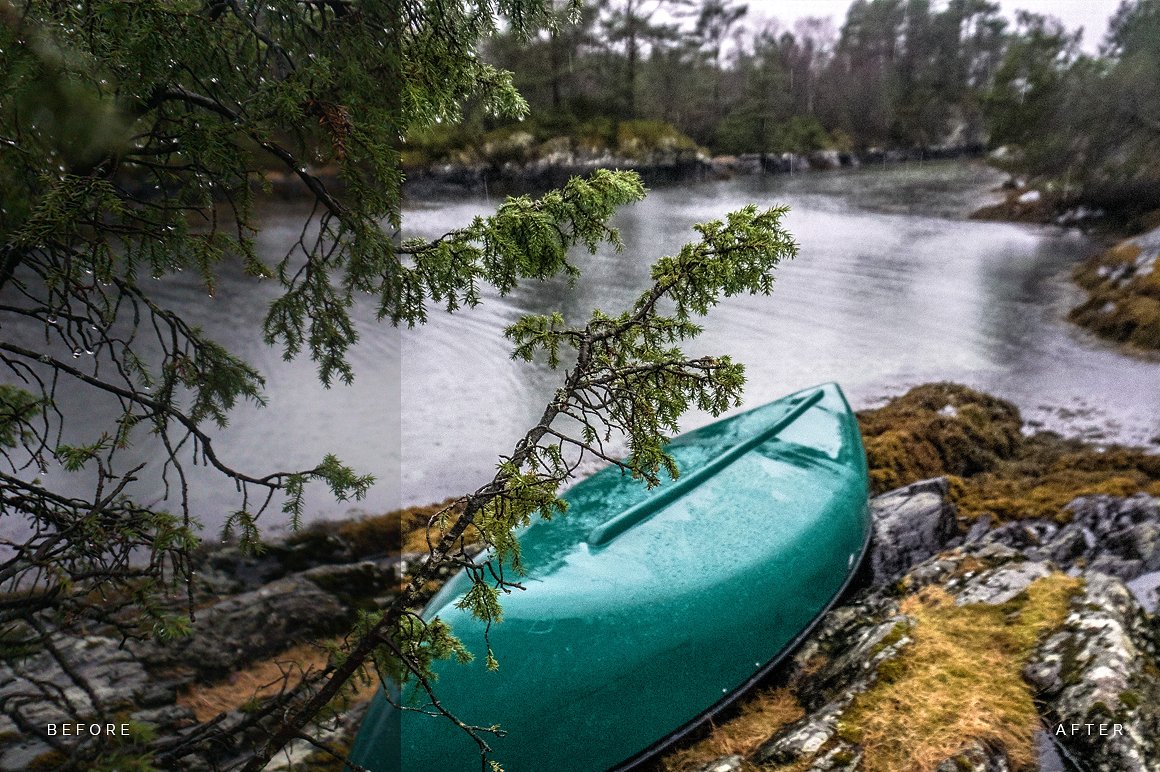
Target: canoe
column 649, row 611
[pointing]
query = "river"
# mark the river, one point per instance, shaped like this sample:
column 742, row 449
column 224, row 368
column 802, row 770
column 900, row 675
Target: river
column 893, row 287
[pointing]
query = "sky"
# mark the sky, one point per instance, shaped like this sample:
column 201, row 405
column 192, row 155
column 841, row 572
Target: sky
column 1092, row 15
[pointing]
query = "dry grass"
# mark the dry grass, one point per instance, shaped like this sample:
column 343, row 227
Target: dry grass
column 760, row 717
column 959, row 681
column 260, row 680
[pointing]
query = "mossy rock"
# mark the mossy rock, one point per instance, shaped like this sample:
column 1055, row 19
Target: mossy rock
column 974, row 440
column 935, row 430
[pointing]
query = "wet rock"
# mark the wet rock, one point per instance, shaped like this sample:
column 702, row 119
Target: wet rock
column 841, row 757
column 354, row 583
column 115, row 680
column 853, row 641
column 804, row 737
column 976, row 758
column 1098, row 678
column 246, row 627
column 910, row 525
column 1002, row 584
column 732, row 763
column 1109, row 534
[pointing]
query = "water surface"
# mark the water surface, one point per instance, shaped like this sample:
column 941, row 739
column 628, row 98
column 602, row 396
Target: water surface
column 893, row 287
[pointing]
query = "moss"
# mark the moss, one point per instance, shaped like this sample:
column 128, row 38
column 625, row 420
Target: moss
column 849, row 733
column 1123, row 297
column 974, row 440
column 895, row 635
column 1130, row 699
column 49, row 760
column 960, row 681
column 937, row 429
column 404, row 529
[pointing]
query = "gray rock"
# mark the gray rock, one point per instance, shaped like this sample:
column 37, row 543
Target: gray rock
column 841, row 757
column 910, row 525
column 732, row 763
column 1098, row 678
column 976, row 758
column 34, row 689
column 1002, row 584
column 246, row 627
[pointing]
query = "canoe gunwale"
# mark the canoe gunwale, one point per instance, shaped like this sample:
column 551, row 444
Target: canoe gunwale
column 639, row 760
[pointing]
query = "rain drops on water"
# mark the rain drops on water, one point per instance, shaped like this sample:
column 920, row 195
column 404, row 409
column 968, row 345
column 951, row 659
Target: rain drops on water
column 76, row 353
column 51, row 319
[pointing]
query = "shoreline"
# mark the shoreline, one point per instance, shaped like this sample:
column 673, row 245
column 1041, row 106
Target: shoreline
column 660, row 167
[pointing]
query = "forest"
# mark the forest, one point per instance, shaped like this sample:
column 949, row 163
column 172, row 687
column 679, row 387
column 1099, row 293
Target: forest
column 896, row 74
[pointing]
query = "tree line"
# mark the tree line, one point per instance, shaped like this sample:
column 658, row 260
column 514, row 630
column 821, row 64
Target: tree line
column 893, row 74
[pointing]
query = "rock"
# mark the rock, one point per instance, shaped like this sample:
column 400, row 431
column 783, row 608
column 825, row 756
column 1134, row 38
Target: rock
column 1098, row 678
column 732, row 763
column 841, row 757
column 1030, row 197
column 246, row 627
column 1000, row 585
column 116, row 679
column 910, row 525
column 853, row 641
column 976, row 758
column 803, row 738
column 979, row 529
column 355, row 582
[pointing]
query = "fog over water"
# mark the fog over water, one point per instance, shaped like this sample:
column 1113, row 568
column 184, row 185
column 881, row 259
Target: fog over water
column 893, row 287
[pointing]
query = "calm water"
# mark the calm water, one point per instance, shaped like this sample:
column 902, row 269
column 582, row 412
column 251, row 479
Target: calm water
column 893, row 287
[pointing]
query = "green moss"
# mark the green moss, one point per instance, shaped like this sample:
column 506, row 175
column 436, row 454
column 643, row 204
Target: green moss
column 1130, row 699
column 1123, row 304
column 849, row 733
column 895, row 635
column 843, row 757
column 937, row 429
column 975, row 441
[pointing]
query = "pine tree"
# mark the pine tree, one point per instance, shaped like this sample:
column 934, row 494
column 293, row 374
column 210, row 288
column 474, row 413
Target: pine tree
column 136, row 138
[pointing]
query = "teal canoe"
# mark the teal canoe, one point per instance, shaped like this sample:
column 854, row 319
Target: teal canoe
column 648, row 611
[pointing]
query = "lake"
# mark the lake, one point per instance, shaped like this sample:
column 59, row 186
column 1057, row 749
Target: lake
column 893, row 287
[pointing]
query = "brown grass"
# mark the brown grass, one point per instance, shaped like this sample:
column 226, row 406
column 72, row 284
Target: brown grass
column 760, row 717
column 260, row 680
column 958, row 682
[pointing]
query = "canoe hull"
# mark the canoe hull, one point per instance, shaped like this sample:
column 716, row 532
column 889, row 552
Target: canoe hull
column 646, row 610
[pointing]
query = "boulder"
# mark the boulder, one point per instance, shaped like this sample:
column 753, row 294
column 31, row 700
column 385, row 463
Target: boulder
column 246, row 627
column 910, row 525
column 1098, row 678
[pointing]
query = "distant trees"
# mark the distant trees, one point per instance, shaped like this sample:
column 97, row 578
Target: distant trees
column 1089, row 127
column 897, row 72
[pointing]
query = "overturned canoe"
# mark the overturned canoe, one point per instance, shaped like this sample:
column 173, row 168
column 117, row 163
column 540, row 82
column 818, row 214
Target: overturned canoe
column 648, row 611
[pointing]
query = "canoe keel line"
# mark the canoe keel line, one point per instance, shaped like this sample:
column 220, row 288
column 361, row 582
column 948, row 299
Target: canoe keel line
column 649, row 612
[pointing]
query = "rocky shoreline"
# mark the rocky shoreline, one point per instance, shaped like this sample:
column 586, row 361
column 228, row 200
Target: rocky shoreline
column 1055, row 603
column 663, row 166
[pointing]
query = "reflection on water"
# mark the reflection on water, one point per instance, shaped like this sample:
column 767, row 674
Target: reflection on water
column 893, row 287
